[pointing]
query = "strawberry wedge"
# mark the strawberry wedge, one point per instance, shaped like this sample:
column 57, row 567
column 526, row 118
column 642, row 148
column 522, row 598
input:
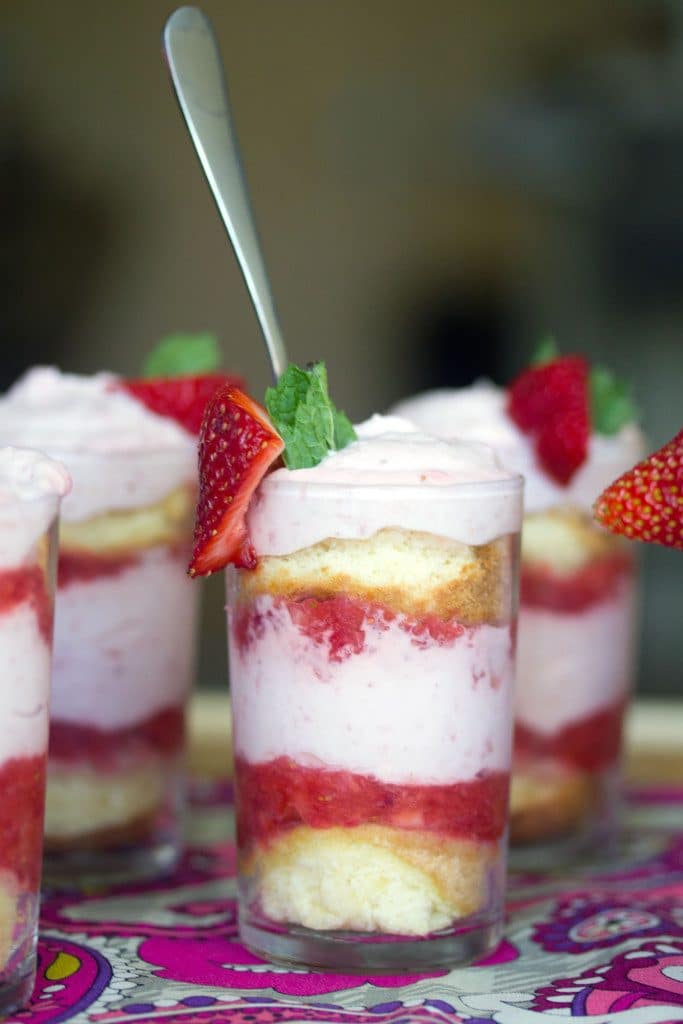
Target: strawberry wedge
column 182, row 398
column 646, row 503
column 237, row 446
column 550, row 403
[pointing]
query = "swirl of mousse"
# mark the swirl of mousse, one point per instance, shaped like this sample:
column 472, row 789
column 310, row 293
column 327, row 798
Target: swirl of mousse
column 31, row 485
column 478, row 413
column 391, row 476
column 104, row 435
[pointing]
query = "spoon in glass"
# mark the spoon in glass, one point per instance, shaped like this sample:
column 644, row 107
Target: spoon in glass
column 197, row 73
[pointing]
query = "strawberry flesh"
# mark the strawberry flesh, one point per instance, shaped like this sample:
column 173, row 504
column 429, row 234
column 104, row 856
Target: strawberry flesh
column 183, row 399
column 237, row 446
column 646, row 503
column 550, row 403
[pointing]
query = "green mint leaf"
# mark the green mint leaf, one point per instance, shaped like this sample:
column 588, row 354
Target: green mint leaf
column 180, row 355
column 343, row 429
column 305, row 416
column 611, row 404
column 318, row 371
column 282, row 401
column 312, row 436
column 547, row 351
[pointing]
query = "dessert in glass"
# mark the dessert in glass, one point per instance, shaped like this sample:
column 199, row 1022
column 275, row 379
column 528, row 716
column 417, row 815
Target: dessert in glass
column 125, row 621
column 371, row 625
column 575, row 648
column 31, row 487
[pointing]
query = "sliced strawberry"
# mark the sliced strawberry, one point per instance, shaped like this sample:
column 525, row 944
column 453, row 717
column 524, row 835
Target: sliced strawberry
column 551, row 403
column 181, row 398
column 646, row 503
column 237, row 444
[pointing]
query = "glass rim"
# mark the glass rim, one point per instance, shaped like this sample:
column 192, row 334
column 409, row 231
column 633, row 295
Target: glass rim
column 512, row 485
column 65, row 455
column 13, row 501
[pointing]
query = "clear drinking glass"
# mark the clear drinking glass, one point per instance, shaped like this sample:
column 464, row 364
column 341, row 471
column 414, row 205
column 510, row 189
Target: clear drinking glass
column 125, row 641
column 577, row 629
column 371, row 685
column 575, row 661
column 28, row 548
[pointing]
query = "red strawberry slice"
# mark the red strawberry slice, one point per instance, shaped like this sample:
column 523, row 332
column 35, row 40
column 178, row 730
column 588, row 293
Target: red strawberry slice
column 237, row 445
column 646, row 503
column 181, row 398
column 550, row 403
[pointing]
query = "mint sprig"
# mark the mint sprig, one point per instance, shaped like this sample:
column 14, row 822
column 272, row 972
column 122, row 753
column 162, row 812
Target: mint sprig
column 611, row 404
column 546, row 351
column 305, row 416
column 180, row 355
column 343, row 430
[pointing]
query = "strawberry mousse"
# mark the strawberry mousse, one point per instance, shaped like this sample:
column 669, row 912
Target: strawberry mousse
column 371, row 638
column 576, row 619
column 30, row 490
column 125, row 613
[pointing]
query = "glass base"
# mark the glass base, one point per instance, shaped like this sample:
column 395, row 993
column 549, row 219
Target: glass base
column 68, row 868
column 15, row 992
column 363, row 953
column 592, row 836
column 596, row 840
column 557, row 855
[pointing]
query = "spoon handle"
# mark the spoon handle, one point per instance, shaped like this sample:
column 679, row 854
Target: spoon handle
column 196, row 69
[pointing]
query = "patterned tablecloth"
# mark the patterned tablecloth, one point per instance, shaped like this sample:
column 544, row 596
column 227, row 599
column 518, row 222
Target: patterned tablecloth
column 601, row 943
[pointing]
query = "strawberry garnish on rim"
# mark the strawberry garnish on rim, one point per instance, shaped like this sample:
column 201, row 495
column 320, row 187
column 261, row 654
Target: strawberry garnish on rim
column 646, row 503
column 180, row 398
column 237, row 446
column 550, row 402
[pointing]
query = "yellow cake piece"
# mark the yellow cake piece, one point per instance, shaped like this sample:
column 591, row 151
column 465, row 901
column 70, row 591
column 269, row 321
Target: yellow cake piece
column 564, row 540
column 8, row 914
column 546, row 804
column 120, row 531
column 83, row 802
column 409, row 572
column 371, row 878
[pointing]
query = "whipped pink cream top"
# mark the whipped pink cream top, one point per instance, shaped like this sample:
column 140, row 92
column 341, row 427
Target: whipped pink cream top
column 478, row 413
column 31, row 487
column 119, row 453
column 391, row 476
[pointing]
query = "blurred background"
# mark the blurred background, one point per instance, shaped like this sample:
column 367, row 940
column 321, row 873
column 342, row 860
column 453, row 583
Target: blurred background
column 436, row 186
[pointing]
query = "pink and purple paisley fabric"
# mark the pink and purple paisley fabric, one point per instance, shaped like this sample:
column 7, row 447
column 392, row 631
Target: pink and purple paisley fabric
column 603, row 943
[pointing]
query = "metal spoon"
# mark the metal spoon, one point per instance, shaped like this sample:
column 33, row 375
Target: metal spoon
column 197, row 74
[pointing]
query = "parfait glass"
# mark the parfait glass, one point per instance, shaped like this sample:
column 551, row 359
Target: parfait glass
column 371, row 676
column 575, row 666
column 578, row 627
column 28, row 549
column 125, row 641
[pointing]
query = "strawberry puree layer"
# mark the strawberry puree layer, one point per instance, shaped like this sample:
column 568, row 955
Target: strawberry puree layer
column 589, row 744
column 22, row 784
column 82, row 567
column 339, row 624
column 347, row 685
column 160, row 734
column 572, row 665
column 597, row 581
column 281, row 794
column 27, row 584
column 124, row 643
